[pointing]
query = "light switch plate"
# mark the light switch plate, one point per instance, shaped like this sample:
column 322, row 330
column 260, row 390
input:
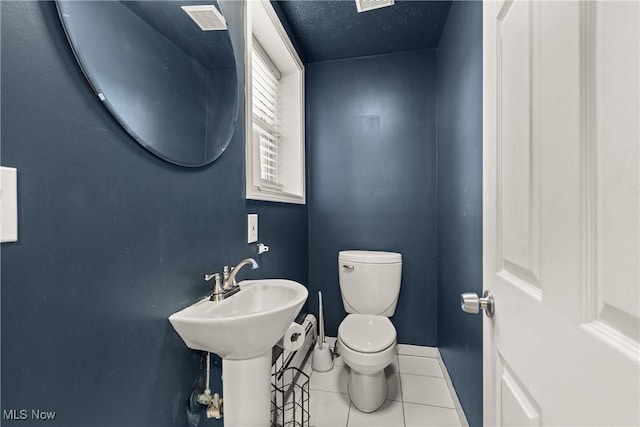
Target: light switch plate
column 252, row 230
column 8, row 204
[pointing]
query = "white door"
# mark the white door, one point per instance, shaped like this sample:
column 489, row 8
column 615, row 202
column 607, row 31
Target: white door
column 562, row 213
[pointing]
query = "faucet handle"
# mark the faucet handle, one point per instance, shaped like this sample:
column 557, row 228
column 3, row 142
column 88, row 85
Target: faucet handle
column 217, row 291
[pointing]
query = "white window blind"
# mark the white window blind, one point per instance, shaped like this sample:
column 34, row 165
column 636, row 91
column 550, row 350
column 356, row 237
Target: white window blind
column 265, row 92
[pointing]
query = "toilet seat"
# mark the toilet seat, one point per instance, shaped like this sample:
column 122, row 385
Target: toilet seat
column 367, row 344
column 367, row 333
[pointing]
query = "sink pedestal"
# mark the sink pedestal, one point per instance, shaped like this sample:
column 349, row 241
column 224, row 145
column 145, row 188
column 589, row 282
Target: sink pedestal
column 246, row 391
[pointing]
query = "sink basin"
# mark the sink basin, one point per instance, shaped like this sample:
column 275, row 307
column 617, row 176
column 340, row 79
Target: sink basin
column 245, row 325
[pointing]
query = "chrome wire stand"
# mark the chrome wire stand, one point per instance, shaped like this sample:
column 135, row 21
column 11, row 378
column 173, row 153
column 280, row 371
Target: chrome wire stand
column 290, row 398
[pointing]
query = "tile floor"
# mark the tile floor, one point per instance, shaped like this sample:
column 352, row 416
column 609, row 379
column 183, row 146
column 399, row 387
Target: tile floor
column 418, row 394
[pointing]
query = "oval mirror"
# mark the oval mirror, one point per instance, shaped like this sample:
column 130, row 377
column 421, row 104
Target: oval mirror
column 172, row 85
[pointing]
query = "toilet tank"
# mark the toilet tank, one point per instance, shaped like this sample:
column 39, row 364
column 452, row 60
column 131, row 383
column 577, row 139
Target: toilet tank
column 370, row 281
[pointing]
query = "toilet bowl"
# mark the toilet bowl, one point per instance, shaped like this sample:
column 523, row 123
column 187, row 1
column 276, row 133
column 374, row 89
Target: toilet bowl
column 367, row 343
column 370, row 286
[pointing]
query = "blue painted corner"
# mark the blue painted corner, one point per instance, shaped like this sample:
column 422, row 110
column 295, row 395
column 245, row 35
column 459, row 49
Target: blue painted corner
column 459, row 83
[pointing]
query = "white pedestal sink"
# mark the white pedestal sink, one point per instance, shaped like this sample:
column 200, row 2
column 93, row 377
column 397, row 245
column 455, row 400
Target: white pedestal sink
column 242, row 330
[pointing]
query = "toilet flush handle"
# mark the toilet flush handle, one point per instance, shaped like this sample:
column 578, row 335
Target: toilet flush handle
column 348, row 267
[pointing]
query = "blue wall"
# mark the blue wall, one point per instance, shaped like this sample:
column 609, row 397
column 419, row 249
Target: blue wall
column 112, row 241
column 459, row 85
column 371, row 137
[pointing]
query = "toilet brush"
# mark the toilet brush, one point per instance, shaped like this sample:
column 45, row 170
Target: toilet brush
column 322, row 359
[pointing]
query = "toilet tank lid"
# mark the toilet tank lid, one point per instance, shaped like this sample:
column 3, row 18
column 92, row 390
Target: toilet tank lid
column 370, row 257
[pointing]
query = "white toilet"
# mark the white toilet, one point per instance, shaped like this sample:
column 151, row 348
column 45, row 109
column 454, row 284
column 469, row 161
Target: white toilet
column 370, row 285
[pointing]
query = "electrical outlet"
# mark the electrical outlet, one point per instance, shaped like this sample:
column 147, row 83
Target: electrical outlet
column 252, row 230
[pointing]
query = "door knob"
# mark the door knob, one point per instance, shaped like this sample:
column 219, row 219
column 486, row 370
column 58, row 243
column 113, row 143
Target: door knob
column 470, row 303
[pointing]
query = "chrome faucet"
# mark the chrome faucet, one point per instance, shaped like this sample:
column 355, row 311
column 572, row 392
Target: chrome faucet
column 229, row 274
column 225, row 285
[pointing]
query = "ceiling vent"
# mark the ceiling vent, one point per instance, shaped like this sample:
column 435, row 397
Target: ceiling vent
column 206, row 16
column 367, row 5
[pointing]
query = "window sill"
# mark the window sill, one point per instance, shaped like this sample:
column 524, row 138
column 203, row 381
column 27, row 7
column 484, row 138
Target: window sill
column 267, row 195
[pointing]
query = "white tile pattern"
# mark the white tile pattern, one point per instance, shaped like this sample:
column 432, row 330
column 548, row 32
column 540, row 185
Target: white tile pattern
column 390, row 414
column 425, row 390
column 420, row 366
column 426, row 415
column 418, row 350
column 418, row 394
column 328, row 409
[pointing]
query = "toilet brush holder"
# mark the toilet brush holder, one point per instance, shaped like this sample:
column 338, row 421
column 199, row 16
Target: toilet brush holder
column 322, row 358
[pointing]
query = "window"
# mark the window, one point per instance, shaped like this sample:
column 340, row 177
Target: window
column 275, row 110
column 265, row 82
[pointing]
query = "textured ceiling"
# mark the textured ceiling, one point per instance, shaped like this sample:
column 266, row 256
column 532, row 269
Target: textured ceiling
column 333, row 29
